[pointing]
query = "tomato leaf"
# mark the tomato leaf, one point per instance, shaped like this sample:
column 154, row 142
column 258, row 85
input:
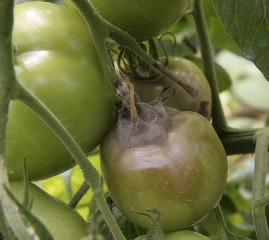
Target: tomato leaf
column 246, row 21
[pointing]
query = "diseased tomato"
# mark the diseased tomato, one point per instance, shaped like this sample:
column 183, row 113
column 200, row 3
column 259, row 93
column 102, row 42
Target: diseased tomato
column 62, row 221
column 57, row 61
column 184, row 177
column 143, row 20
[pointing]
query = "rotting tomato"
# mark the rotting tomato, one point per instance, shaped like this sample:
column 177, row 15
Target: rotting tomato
column 57, row 61
column 189, row 73
column 62, row 221
column 184, row 177
column 180, row 235
column 143, row 20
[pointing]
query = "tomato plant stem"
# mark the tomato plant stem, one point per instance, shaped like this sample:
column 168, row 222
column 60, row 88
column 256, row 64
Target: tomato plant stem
column 234, row 140
column 79, row 194
column 100, row 33
column 241, row 144
column 91, row 175
column 218, row 118
column 259, row 183
column 7, row 79
column 220, row 223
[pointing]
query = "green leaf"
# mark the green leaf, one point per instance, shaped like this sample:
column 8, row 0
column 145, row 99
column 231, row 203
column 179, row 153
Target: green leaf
column 246, row 21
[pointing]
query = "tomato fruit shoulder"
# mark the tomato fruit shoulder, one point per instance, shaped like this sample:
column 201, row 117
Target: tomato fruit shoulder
column 57, row 61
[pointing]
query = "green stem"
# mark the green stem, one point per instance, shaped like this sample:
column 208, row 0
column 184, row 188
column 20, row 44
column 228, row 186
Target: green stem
column 262, row 202
column 238, row 143
column 259, row 183
column 99, row 32
column 235, row 141
column 218, row 118
column 220, row 223
column 7, row 79
column 91, row 175
column 79, row 194
column 153, row 51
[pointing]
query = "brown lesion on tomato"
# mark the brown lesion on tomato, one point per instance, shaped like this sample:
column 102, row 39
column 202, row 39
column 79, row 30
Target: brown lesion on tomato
column 203, row 110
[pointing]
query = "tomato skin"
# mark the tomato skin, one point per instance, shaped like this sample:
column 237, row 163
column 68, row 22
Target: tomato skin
column 57, row 61
column 190, row 74
column 184, row 178
column 143, row 20
column 62, row 221
column 181, row 235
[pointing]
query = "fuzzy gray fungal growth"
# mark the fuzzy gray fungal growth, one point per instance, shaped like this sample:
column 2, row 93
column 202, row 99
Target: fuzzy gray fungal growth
column 143, row 125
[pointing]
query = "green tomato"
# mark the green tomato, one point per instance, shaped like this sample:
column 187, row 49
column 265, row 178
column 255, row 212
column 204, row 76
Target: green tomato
column 57, row 61
column 181, row 235
column 189, row 73
column 62, row 221
column 184, row 178
column 142, row 19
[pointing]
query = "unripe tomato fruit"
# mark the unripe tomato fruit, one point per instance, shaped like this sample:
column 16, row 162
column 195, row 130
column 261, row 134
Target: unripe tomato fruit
column 181, row 235
column 190, row 74
column 142, row 19
column 57, row 61
column 62, row 221
column 184, row 178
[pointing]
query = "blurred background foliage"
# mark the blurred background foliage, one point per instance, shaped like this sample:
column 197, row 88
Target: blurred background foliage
column 245, row 104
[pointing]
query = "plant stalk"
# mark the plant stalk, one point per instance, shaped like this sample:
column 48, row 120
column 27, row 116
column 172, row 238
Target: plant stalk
column 218, row 118
column 7, row 79
column 79, row 194
column 220, row 223
column 259, row 183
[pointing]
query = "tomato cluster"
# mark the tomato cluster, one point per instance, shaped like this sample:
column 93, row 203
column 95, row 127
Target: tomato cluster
column 56, row 60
